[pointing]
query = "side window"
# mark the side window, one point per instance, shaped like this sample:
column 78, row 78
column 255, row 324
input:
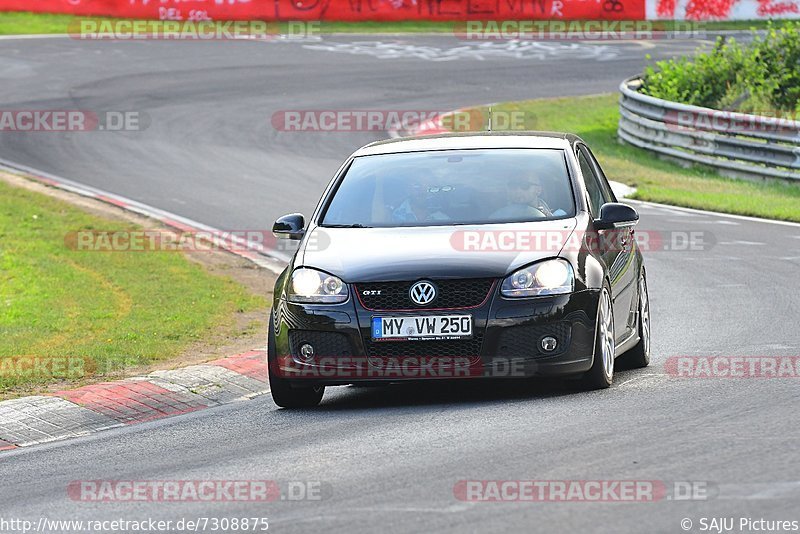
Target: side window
column 607, row 192
column 593, row 187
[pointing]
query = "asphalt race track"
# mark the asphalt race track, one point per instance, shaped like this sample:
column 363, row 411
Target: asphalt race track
column 211, row 153
column 389, row 458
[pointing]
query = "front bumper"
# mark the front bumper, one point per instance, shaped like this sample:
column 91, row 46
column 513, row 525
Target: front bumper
column 506, row 342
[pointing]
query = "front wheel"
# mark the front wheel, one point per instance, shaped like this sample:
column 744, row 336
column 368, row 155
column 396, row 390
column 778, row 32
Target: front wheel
column 283, row 393
column 601, row 374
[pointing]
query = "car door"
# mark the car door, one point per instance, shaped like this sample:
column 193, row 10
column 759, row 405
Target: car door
column 615, row 246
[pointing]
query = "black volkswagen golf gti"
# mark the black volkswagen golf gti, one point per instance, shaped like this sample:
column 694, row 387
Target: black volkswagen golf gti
column 459, row 256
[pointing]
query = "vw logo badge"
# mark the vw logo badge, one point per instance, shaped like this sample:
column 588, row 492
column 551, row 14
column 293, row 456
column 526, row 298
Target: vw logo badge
column 422, row 293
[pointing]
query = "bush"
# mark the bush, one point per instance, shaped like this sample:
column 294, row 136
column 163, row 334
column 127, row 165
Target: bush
column 759, row 76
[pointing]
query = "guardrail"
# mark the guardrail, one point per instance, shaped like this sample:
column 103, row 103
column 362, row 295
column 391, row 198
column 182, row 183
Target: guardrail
column 735, row 144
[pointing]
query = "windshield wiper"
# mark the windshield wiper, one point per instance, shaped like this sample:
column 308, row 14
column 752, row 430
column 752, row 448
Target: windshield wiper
column 356, row 225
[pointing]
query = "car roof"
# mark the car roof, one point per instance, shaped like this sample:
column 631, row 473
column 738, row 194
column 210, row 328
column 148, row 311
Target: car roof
column 470, row 140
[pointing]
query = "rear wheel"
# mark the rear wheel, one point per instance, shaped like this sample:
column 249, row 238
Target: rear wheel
column 284, row 394
column 601, row 374
column 639, row 355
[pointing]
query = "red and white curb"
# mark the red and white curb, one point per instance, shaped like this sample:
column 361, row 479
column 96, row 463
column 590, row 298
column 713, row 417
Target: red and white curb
column 43, row 418
column 77, row 412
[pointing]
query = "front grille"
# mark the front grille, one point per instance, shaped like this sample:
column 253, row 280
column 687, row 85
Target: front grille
column 456, row 349
column 463, row 293
column 326, row 344
column 523, row 341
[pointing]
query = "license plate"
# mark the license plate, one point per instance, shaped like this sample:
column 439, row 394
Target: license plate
column 432, row 327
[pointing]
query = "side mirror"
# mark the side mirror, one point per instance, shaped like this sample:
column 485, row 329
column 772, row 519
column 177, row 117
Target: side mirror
column 290, row 226
column 616, row 215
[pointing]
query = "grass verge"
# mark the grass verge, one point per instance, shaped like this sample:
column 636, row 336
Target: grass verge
column 68, row 316
column 24, row 23
column 21, row 23
column 595, row 120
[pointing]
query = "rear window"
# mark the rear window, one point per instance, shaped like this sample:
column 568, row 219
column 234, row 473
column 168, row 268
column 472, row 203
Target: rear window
column 453, row 187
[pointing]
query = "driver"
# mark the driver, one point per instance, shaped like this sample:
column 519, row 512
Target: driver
column 416, row 207
column 524, row 198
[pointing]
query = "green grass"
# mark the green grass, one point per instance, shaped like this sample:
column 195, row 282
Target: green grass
column 19, row 23
column 104, row 311
column 595, row 120
column 33, row 23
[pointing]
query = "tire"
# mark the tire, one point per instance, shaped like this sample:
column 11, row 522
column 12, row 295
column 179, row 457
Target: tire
column 601, row 375
column 639, row 355
column 283, row 393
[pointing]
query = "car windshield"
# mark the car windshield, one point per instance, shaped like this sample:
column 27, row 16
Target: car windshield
column 448, row 187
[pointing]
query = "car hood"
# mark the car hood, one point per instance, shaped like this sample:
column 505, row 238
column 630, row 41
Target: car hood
column 475, row 251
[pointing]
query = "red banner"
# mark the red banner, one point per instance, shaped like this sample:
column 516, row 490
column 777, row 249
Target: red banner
column 342, row 10
column 707, row 10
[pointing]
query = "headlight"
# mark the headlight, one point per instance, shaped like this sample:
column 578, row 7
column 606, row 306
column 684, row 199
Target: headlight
column 551, row 277
column 312, row 286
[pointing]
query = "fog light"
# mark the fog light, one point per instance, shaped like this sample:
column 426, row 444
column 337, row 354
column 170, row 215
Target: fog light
column 549, row 344
column 306, row 351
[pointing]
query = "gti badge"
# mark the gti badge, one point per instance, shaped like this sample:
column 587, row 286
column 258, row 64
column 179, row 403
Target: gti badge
column 422, row 293
column 371, row 292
